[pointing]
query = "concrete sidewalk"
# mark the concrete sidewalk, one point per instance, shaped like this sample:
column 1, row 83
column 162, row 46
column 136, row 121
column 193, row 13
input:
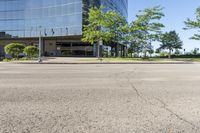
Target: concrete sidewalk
column 78, row 60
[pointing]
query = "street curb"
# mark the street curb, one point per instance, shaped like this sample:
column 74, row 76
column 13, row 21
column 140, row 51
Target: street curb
column 87, row 63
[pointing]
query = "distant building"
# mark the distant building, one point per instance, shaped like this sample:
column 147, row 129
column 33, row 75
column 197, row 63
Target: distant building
column 60, row 22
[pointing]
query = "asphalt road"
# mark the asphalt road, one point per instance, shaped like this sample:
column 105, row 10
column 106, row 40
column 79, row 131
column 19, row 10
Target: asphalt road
column 99, row 98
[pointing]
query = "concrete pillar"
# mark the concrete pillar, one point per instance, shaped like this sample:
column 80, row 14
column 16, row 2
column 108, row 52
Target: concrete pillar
column 1, row 50
column 98, row 48
column 94, row 50
column 71, row 45
column 42, row 47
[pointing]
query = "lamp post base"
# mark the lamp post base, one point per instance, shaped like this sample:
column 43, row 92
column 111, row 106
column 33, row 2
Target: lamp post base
column 40, row 60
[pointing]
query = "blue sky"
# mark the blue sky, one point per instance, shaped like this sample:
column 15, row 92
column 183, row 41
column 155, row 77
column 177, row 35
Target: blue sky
column 176, row 12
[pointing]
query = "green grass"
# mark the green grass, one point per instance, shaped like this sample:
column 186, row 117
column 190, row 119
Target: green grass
column 152, row 59
column 132, row 59
column 124, row 59
column 187, row 59
column 142, row 59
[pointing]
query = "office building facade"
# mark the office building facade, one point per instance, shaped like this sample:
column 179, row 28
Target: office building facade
column 59, row 22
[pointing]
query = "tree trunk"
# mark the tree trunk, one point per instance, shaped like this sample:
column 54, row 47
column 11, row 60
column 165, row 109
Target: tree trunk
column 169, row 54
column 145, row 54
column 126, row 52
column 99, row 44
column 97, row 48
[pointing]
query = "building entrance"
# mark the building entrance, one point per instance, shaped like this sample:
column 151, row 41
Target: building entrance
column 74, row 49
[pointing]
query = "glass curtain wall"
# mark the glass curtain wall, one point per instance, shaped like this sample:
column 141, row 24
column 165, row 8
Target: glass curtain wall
column 121, row 6
column 87, row 4
column 27, row 18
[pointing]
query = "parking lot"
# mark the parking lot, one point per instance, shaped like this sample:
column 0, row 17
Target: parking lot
column 99, row 98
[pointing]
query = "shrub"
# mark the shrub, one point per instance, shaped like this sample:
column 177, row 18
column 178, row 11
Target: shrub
column 14, row 49
column 31, row 51
column 163, row 54
column 6, row 60
column 24, row 58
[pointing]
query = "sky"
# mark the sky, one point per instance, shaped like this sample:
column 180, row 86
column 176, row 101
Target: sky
column 176, row 12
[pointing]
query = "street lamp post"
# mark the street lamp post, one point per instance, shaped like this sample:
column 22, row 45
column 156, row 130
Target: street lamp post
column 40, row 45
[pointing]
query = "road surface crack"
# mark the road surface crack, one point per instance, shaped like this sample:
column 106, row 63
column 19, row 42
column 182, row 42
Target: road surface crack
column 164, row 105
column 175, row 114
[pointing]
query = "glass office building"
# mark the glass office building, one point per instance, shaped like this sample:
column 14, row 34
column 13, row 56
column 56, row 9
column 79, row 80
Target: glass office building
column 59, row 22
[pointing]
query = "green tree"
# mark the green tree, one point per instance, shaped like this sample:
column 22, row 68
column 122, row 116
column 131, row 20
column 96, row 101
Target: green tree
column 118, row 27
column 31, row 51
column 146, row 28
column 135, row 48
column 14, row 49
column 177, row 52
column 195, row 51
column 94, row 31
column 170, row 41
column 150, row 50
column 194, row 24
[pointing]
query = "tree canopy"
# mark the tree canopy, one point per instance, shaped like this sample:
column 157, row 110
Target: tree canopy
column 95, row 31
column 104, row 27
column 170, row 40
column 146, row 28
column 117, row 25
column 194, row 24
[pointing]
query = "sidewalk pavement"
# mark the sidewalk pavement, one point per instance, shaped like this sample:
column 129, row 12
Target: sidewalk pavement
column 74, row 60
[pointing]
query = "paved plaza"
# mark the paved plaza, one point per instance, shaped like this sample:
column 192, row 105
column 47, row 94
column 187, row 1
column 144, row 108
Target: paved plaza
column 99, row 98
